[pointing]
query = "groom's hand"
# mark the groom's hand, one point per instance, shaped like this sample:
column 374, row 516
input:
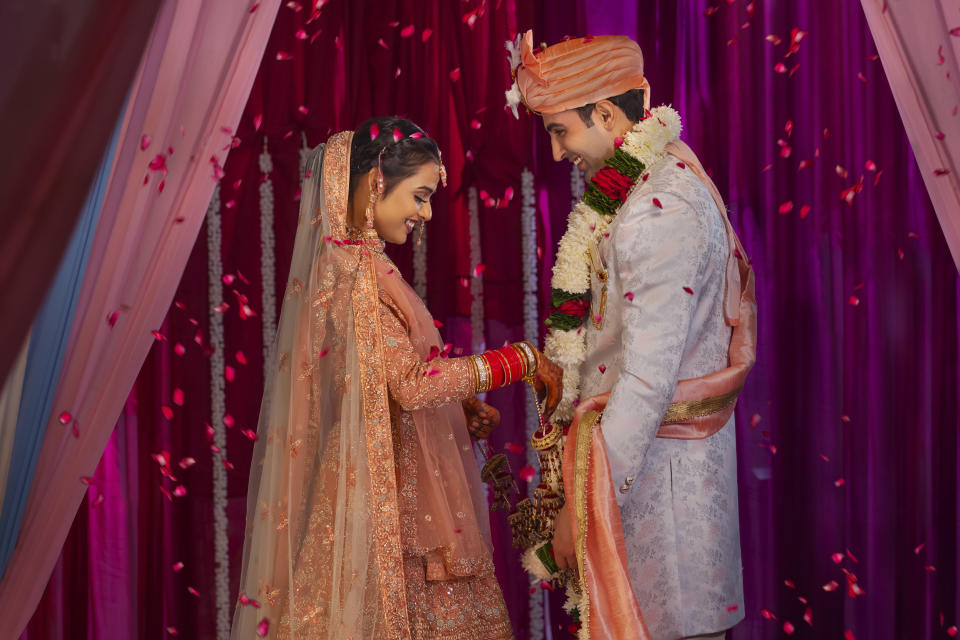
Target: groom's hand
column 549, row 383
column 563, row 551
column 481, row 417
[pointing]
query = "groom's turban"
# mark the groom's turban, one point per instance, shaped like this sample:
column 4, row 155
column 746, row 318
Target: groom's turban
column 576, row 72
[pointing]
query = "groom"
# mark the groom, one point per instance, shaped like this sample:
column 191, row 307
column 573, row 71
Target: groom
column 669, row 335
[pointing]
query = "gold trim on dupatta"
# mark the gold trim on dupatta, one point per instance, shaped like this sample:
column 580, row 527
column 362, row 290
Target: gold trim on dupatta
column 385, row 511
column 582, row 466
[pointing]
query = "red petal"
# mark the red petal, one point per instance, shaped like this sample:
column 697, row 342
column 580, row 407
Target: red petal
column 688, row 290
column 229, row 373
column 804, row 211
column 167, row 412
column 839, row 482
column 283, row 55
column 780, row 67
column 603, row 369
column 178, row 397
column 242, row 359
column 628, row 295
column 831, row 586
column 837, row 558
column 228, row 421
column 180, row 491
column 65, row 418
column 455, row 75
column 766, row 613
column 374, row 131
column 437, row 323
column 919, row 548
column 854, row 301
column 475, row 124
column 656, row 203
column 786, row 207
column 733, row 607
column 144, row 142
column 772, row 39
column 808, row 616
column 382, row 43
column 263, row 628
column 479, row 269
column 426, row 34
column 300, row 34
column 407, row 31
column 179, row 349
column 186, row 463
column 513, row 447
column 788, row 627
column 177, row 566
column 526, row 474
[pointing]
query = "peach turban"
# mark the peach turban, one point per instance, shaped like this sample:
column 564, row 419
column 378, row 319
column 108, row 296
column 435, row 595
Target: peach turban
column 575, row 72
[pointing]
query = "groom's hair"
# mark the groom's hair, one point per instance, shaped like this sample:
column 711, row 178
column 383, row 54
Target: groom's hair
column 399, row 161
column 631, row 103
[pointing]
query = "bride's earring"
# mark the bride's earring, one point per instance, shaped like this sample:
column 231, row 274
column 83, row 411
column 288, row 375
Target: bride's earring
column 420, row 237
column 369, row 212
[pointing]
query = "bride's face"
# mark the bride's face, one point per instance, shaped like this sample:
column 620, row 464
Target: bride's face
column 407, row 204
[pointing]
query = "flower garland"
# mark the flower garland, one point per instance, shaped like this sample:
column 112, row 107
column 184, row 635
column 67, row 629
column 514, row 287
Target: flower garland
column 268, row 311
column 217, row 411
column 641, row 148
column 476, row 272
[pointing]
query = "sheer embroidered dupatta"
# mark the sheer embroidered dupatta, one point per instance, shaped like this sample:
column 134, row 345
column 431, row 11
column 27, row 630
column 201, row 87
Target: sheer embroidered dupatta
column 322, row 555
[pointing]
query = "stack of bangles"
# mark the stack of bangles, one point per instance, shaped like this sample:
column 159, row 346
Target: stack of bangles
column 510, row 363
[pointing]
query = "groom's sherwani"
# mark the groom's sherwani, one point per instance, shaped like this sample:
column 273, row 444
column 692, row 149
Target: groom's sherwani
column 664, row 321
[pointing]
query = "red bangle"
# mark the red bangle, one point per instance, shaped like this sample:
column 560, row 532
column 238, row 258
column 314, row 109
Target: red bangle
column 505, row 365
column 515, row 361
column 496, row 370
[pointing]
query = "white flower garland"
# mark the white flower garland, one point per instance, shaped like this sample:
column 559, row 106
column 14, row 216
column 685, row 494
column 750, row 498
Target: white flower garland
column 577, row 184
column 531, row 321
column 221, row 558
column 268, row 311
column 646, row 142
column 476, row 279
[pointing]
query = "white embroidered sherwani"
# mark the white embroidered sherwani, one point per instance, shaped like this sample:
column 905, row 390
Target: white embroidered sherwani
column 678, row 498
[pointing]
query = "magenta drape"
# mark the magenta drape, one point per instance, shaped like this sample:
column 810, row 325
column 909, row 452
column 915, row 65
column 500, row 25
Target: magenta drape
column 185, row 102
column 67, row 67
column 926, row 86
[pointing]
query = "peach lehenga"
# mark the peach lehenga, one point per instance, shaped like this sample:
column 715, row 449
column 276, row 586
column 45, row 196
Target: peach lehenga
column 366, row 518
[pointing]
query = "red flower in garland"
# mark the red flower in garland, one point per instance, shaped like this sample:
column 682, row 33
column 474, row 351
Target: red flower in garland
column 574, row 307
column 612, row 183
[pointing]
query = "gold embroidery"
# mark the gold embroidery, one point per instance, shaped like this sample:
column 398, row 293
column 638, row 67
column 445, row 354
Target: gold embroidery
column 582, row 468
column 683, row 411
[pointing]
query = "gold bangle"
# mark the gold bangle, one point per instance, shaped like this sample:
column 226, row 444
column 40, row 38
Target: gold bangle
column 524, row 359
column 533, row 356
column 487, row 373
column 476, row 374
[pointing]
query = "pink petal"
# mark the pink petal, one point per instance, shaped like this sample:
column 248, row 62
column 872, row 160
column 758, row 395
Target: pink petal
column 526, row 474
column 508, row 194
column 242, row 359
column 180, row 491
column 283, row 55
column 479, row 269
column 786, row 207
column 65, row 417
column 602, row 368
column 186, row 463
column 383, row 44
column 167, row 412
column 325, row 351
column 780, row 67
column 455, row 74
column 173, row 630
column 766, row 613
column 755, row 420
column 475, row 124
column 628, row 295
column 263, row 628
column 193, row 591
column 407, row 31
column 854, row 301
column 300, row 34
column 257, row 121
column 788, row 627
column 227, row 465
column 839, row 482
column 144, row 142
column 178, row 397
column 229, row 373
column 249, row 435
column 179, row 349
column 513, row 447
column 98, row 500
column 808, row 616
column 919, row 548
column 772, row 39
column 831, row 586
column 228, row 421
column 837, row 558
column 177, row 566
column 426, row 34
column 804, row 211
column 733, row 607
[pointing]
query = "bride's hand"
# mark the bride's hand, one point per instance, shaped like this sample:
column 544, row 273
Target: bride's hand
column 481, row 417
column 562, row 543
column 549, row 383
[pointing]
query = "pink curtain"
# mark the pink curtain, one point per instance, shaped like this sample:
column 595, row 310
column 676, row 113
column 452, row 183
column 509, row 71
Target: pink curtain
column 919, row 45
column 188, row 95
column 67, row 66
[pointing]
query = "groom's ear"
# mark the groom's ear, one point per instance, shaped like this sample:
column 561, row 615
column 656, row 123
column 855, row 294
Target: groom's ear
column 604, row 114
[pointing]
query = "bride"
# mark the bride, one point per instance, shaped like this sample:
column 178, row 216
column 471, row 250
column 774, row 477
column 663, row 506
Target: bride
column 366, row 518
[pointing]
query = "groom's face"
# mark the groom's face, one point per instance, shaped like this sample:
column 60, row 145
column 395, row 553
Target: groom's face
column 587, row 147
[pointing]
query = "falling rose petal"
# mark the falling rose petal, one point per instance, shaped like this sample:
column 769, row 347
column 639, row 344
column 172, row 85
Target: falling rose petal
column 854, row 301
column 508, row 193
column 229, row 373
column 437, row 324
column 940, row 172
column 841, row 172
column 804, row 211
column 177, row 566
column 300, row 34
column 688, row 290
column 179, row 349
column 426, row 34
column 65, row 417
column 475, row 124
column 186, row 463
column 167, row 412
column 919, row 548
column 780, row 67
column 193, row 592
column 98, row 500
column 454, row 74
column 263, row 628
column 228, row 421
column 180, row 491
column 804, row 164
column 249, row 434
column 227, row 465
column 711, row 10
column 112, row 319
column 434, row 352
column 656, row 203
column 242, row 359
column 830, row 586
column 407, row 31
column 772, row 39
column 513, row 447
column 786, row 207
column 808, row 616
column 876, row 178
column 766, row 613
column 837, row 558
column 870, row 165
column 178, row 397
column 788, row 628
column 732, row 607
column 526, row 474
column 144, row 142
column 839, row 482
column 602, row 368
column 952, row 631
column 383, row 44
column 283, row 55
column 464, row 282
column 396, row 74
column 303, row 110
column 87, row 480
column 862, row 78
column 628, row 295
column 479, row 269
